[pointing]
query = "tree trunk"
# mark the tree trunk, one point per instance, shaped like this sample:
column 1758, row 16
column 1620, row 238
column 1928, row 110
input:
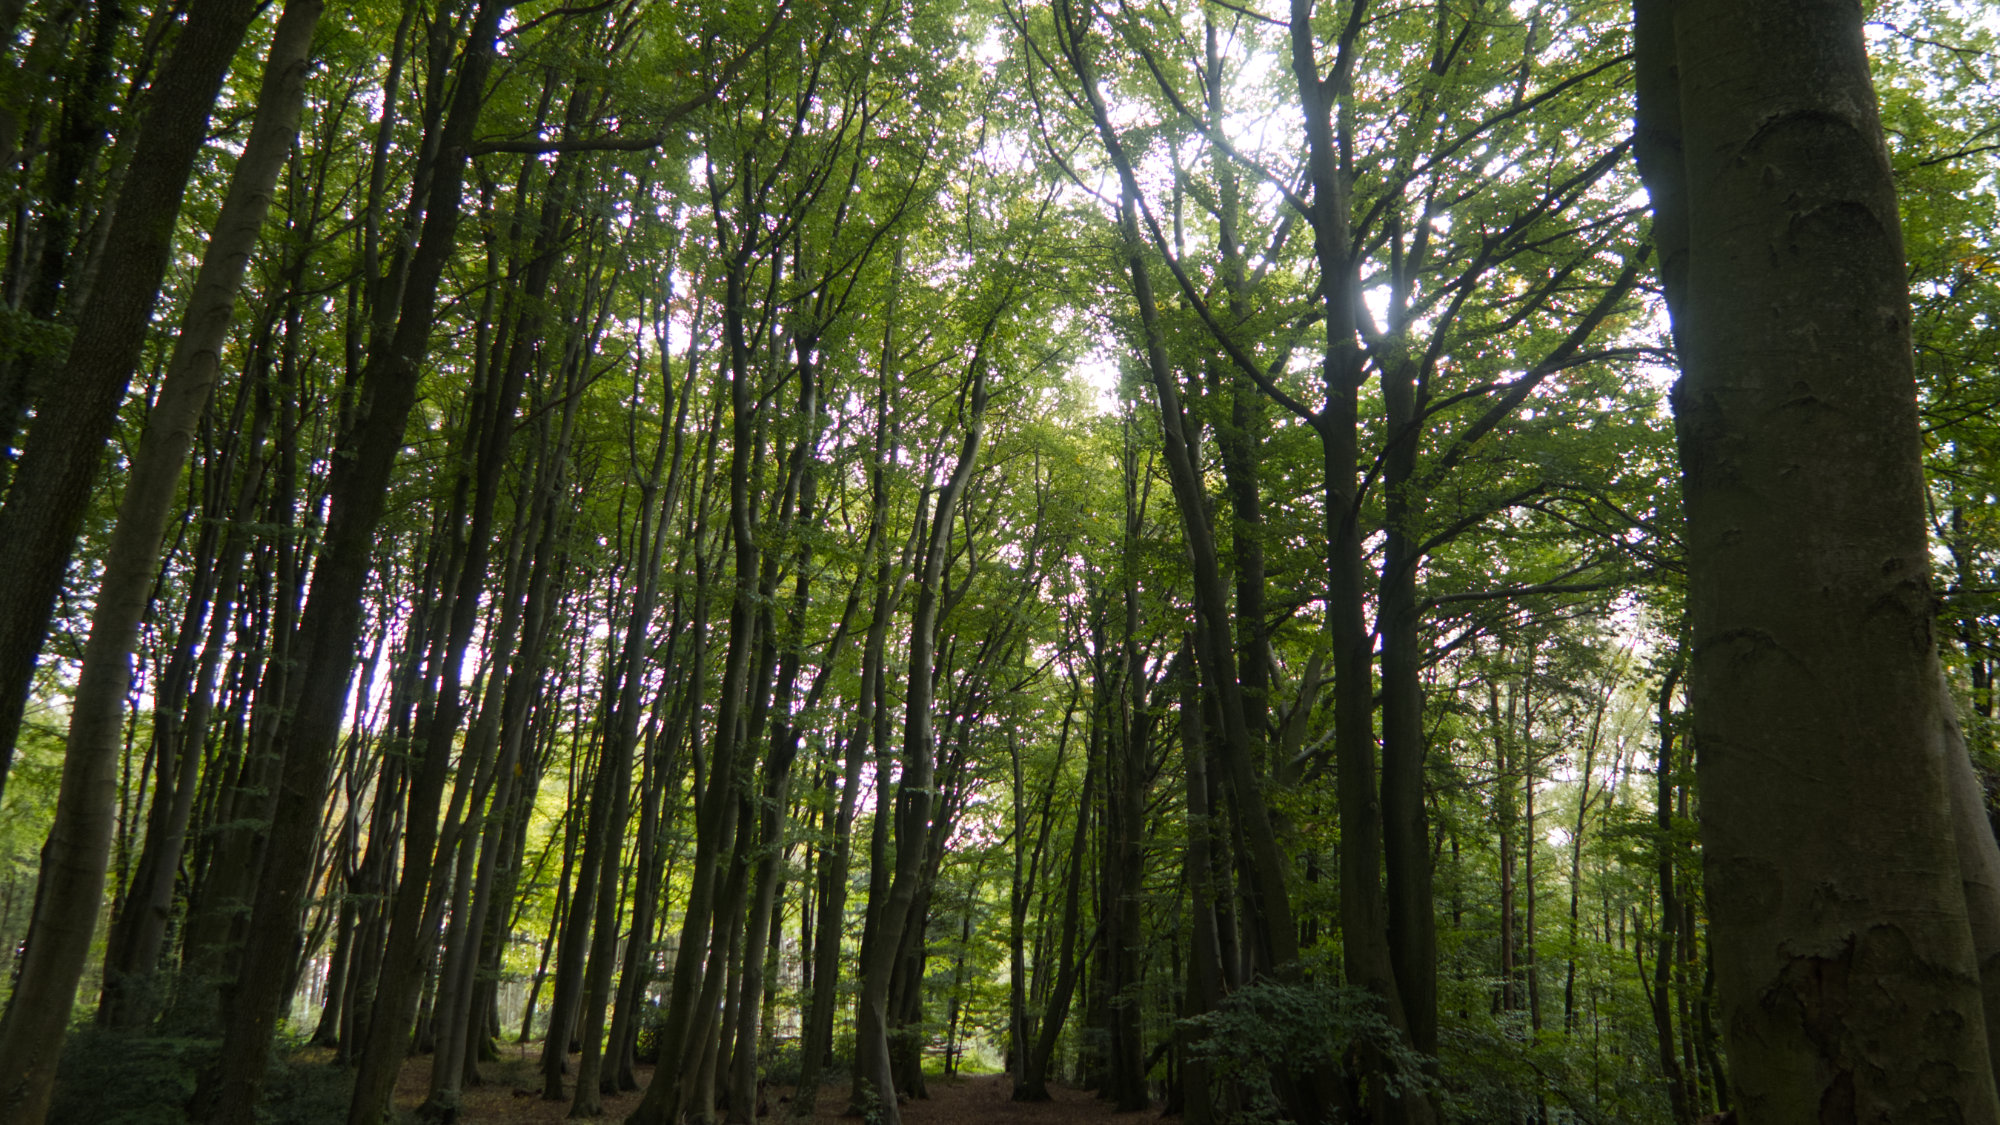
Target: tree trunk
column 74, row 861
column 49, row 497
column 611, row 804
column 132, row 995
column 357, row 497
column 914, row 796
column 1364, row 912
column 1034, row 1084
column 1844, row 959
column 1205, row 976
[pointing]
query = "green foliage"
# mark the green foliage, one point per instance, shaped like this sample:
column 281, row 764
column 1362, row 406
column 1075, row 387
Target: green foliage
column 907, row 188
column 127, row 1078
column 1267, row 1025
column 117, row 1078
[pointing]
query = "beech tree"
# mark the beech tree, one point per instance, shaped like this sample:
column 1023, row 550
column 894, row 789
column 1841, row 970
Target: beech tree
column 1809, row 582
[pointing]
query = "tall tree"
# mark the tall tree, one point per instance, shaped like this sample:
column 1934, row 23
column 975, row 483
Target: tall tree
column 46, row 507
column 1845, row 957
column 48, row 498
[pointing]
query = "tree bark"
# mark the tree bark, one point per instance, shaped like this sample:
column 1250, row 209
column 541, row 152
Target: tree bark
column 1034, row 1084
column 1845, row 963
column 357, row 498
column 914, row 793
column 74, row 862
column 49, row 497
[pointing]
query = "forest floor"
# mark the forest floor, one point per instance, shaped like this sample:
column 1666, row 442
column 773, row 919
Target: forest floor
column 511, row 1095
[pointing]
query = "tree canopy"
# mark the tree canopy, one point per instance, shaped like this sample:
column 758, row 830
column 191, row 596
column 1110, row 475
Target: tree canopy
column 1133, row 545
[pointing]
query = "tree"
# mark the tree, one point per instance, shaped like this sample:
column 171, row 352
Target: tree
column 1844, row 939
column 45, row 509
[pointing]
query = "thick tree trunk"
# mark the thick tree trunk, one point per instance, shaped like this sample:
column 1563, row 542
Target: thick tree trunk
column 1845, row 962
column 1364, row 910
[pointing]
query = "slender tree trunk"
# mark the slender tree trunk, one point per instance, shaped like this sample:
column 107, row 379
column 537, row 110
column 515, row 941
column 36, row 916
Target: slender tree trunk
column 1124, row 862
column 1406, row 832
column 48, row 500
column 914, row 795
column 1531, row 963
column 615, row 788
column 1660, row 994
column 1273, row 929
column 869, row 729
column 705, row 923
column 357, row 497
column 131, row 994
column 1503, row 734
column 1034, row 1085
column 78, row 141
column 74, row 862
column 784, row 749
column 1204, row 988
column 1571, row 1016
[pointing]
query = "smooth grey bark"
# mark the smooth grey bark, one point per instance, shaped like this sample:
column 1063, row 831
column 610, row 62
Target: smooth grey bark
column 78, row 850
column 1978, row 864
column 573, row 944
column 662, row 763
column 1844, row 954
column 420, row 897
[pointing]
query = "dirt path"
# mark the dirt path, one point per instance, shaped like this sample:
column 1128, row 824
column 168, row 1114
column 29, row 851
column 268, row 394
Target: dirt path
column 985, row 1100
column 511, row 1095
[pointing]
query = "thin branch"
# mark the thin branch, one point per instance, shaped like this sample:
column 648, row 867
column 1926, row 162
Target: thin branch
column 1524, row 591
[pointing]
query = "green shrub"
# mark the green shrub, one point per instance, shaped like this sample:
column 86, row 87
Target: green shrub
column 125, row 1078
column 1310, row 1026
column 131, row 1078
